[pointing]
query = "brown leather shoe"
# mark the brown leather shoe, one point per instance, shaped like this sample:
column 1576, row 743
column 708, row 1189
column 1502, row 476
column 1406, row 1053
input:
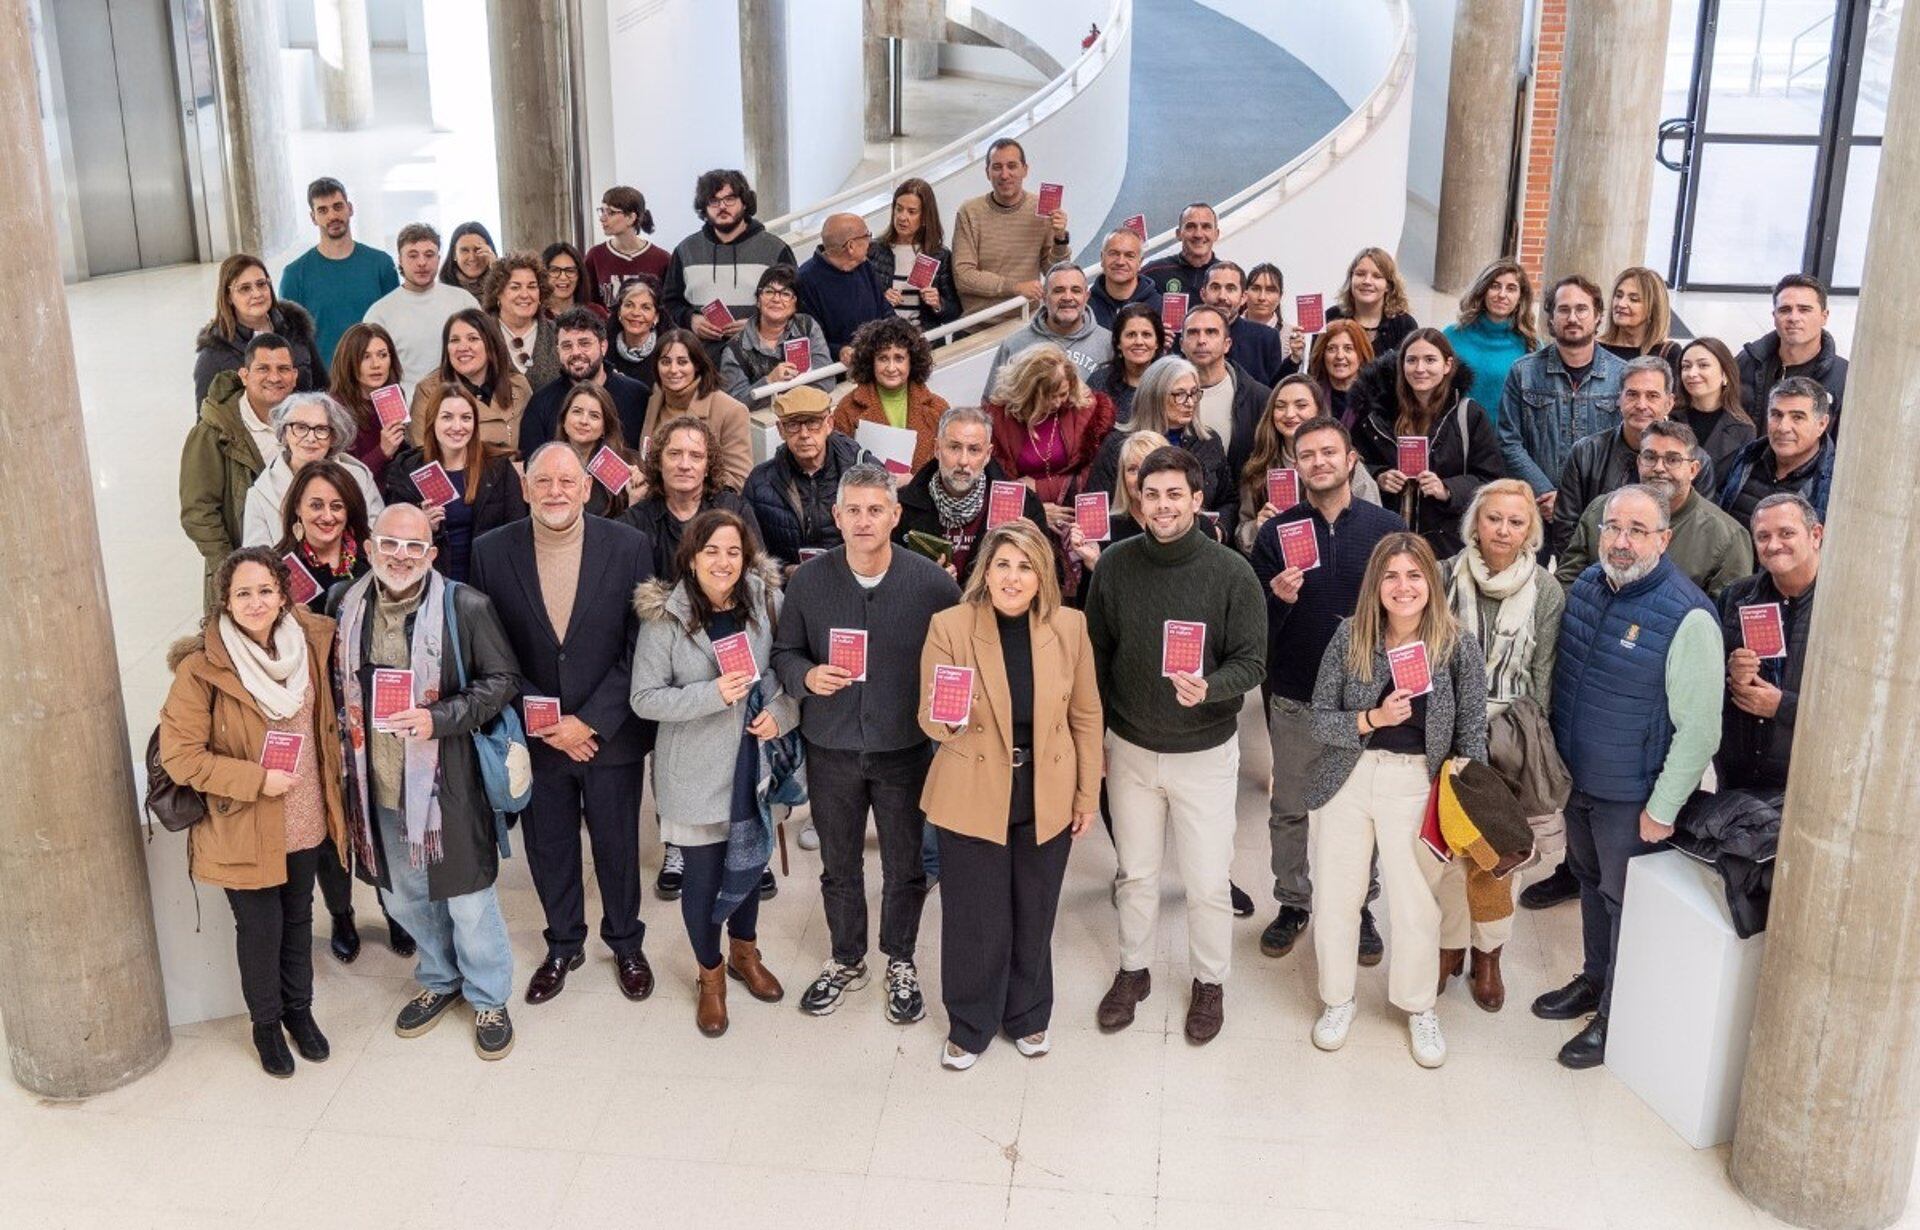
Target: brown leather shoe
column 1452, row 961
column 743, row 962
column 634, row 975
column 1130, row 986
column 1205, row 1011
column 711, row 1014
column 550, row 977
column 1489, row 991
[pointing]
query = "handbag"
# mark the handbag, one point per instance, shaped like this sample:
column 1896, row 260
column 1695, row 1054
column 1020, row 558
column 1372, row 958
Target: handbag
column 500, row 744
column 176, row 807
column 1521, row 750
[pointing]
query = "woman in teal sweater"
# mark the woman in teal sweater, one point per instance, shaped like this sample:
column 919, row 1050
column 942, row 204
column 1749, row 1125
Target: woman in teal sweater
column 1495, row 329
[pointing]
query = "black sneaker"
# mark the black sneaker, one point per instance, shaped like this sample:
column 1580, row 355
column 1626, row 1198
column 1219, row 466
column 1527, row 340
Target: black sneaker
column 905, row 1004
column 1284, row 931
column 1242, row 904
column 492, row 1033
column 768, row 885
column 423, row 1012
column 1372, row 947
column 673, row 869
column 1558, row 887
column 834, row 981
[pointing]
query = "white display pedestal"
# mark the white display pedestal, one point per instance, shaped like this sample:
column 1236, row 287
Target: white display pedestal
column 198, row 968
column 1683, row 994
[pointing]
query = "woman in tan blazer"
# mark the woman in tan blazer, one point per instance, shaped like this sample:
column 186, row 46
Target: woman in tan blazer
column 1008, row 788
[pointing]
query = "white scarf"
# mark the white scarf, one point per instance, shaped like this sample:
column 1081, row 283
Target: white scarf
column 1509, row 652
column 277, row 682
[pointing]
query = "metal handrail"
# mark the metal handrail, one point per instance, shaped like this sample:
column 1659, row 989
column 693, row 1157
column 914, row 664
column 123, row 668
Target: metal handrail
column 991, row 314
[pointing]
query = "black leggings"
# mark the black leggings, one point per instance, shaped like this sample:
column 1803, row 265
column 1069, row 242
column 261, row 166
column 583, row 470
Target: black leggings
column 699, row 889
column 273, row 934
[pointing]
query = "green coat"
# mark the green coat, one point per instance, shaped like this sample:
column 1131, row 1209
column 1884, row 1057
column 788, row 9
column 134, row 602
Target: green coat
column 1709, row 546
column 217, row 467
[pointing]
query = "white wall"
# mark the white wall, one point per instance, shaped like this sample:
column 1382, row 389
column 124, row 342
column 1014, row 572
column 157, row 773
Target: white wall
column 826, row 98
column 1433, row 21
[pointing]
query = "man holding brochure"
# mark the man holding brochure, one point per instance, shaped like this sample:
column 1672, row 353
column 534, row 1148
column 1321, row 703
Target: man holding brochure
column 792, row 492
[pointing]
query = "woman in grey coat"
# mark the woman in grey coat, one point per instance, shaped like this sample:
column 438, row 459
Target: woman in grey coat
column 1384, row 738
column 706, row 758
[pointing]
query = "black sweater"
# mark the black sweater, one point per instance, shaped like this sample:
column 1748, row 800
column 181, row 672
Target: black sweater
column 1754, row 751
column 1298, row 631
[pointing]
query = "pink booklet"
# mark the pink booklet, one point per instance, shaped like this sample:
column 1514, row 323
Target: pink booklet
column 1763, row 630
column 300, row 582
column 735, row 656
column 1138, row 225
column 717, row 314
column 1183, row 646
column 610, row 470
column 924, row 269
column 1299, row 546
column 392, row 693
column 542, row 713
column 1092, row 515
column 1411, row 673
column 389, row 405
column 1412, row 455
column 847, row 649
column 1049, row 198
column 1283, row 487
column 282, row 750
column 799, row 352
column 432, row 483
column 1173, row 311
column 952, row 700
column 1310, row 311
column 1005, row 502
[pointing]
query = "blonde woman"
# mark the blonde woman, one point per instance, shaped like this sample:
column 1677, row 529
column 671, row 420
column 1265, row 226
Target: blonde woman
column 1381, row 748
column 1047, row 426
column 1639, row 318
column 1374, row 296
column 1123, row 499
column 1025, row 782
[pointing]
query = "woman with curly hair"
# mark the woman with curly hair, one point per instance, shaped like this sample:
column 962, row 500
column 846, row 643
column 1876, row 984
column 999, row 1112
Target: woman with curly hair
column 1047, row 426
column 680, row 473
column 514, row 292
column 890, row 367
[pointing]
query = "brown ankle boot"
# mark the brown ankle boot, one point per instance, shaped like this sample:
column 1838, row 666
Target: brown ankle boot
column 1452, row 961
column 711, row 1015
column 1488, row 989
column 743, row 962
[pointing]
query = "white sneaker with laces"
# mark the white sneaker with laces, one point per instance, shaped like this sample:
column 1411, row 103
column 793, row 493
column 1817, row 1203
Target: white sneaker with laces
column 1330, row 1031
column 953, row 1056
column 1429, row 1047
column 1033, row 1045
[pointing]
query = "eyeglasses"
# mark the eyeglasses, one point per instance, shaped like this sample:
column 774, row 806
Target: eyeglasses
column 406, row 548
column 855, row 241
column 726, row 198
column 562, row 271
column 778, row 292
column 1670, row 461
column 604, row 210
column 310, row 431
column 1185, row 397
column 1632, row 533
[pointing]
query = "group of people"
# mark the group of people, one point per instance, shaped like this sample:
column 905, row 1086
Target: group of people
column 423, row 495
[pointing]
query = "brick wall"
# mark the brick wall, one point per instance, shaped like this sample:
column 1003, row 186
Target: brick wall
column 1543, row 124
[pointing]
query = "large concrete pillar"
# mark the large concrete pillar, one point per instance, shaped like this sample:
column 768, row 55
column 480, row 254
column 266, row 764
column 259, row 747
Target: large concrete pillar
column 876, row 69
column 1475, row 180
column 1603, row 154
column 763, row 101
column 80, row 989
column 532, row 121
column 922, row 59
column 346, row 62
column 267, row 209
column 1830, row 1108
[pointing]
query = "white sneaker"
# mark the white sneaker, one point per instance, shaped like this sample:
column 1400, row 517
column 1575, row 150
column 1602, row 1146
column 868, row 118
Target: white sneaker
column 953, row 1056
column 1330, row 1031
column 809, row 839
column 1034, row 1045
column 1429, row 1047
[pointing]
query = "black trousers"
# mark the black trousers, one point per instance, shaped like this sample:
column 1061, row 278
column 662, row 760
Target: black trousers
column 699, row 889
column 996, row 926
column 273, row 935
column 844, row 786
column 609, row 796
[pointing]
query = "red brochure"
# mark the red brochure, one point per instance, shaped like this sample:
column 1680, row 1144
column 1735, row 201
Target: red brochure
column 1183, row 647
column 924, row 269
column 432, row 483
column 1299, row 546
column 282, row 750
column 952, row 700
column 1005, row 502
column 799, row 352
column 542, row 713
column 1050, row 196
column 847, row 649
column 1283, row 487
column 1410, row 670
column 304, row 588
column 717, row 314
column 1413, row 456
column 807, row 553
column 392, row 693
column 611, row 471
column 1310, row 312
column 1173, row 311
column 1138, row 225
column 735, row 656
column 1090, row 513
column 1763, row 629
column 389, row 405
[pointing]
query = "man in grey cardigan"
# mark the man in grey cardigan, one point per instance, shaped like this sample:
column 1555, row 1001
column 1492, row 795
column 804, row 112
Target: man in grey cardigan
column 865, row 748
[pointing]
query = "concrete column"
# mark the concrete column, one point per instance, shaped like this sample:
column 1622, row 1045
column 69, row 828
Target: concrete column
column 922, row 59
column 877, row 122
column 1830, row 1108
column 1475, row 181
column 532, row 129
column 80, row 989
column 267, row 209
column 763, row 101
column 346, row 62
column 1603, row 154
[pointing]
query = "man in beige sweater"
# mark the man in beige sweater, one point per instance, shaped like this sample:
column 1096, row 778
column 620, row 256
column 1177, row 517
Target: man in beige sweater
column 1001, row 243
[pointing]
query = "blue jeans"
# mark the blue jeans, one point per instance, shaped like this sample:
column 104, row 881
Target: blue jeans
column 699, row 889
column 462, row 941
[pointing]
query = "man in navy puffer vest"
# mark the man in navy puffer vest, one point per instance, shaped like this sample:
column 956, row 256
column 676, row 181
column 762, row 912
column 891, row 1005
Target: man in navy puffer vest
column 1637, row 691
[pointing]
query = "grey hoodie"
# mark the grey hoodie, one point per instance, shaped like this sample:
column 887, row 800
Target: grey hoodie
column 1088, row 346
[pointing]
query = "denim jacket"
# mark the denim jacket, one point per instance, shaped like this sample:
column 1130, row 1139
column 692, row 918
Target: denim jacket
column 1542, row 415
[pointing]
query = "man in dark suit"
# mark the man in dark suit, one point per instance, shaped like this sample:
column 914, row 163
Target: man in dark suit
column 581, row 339
column 562, row 583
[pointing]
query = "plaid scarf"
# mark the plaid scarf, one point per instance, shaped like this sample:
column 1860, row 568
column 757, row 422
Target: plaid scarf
column 420, row 791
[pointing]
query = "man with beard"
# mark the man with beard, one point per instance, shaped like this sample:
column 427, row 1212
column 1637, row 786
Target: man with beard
column 1559, row 393
column 947, row 498
column 1064, row 320
column 581, row 341
column 1637, row 693
column 337, row 279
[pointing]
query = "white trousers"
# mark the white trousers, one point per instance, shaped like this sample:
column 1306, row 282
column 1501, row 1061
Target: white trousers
column 1457, row 929
column 1191, row 795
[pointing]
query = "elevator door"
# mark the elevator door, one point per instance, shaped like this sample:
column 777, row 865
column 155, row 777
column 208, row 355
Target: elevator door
column 122, row 105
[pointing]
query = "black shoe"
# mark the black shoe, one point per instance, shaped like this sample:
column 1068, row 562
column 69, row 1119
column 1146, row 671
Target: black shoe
column 492, row 1033
column 1558, row 887
column 423, row 1012
column 345, row 944
column 1570, row 1002
column 306, row 1034
column 550, row 977
column 768, row 885
column 1284, row 931
column 1372, row 947
column 673, row 870
column 275, row 1058
column 398, row 940
column 1242, row 904
column 1588, row 1048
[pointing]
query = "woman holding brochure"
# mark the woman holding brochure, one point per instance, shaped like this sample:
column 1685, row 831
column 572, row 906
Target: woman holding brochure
column 891, row 364
column 250, row 723
column 1007, row 691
